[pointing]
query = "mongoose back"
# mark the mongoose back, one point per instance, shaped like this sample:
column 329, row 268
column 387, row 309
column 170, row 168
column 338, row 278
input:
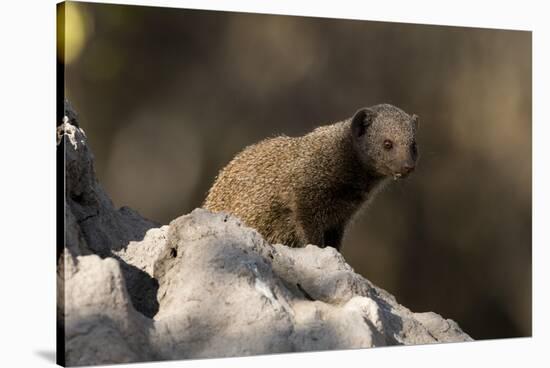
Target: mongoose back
column 305, row 190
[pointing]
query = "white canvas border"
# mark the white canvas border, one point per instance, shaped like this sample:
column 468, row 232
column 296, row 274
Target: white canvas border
column 27, row 151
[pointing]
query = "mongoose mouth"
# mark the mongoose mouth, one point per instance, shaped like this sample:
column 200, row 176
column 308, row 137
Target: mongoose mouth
column 404, row 172
column 398, row 175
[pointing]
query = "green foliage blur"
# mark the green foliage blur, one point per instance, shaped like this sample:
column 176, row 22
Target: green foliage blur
column 168, row 96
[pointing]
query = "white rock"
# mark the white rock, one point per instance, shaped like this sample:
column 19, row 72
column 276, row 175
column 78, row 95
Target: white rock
column 207, row 286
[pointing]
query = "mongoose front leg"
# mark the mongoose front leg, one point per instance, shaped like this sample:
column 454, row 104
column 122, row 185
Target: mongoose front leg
column 308, row 229
column 333, row 237
column 310, row 235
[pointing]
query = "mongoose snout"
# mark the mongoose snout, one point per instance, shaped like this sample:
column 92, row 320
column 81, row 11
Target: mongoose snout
column 305, row 190
column 407, row 169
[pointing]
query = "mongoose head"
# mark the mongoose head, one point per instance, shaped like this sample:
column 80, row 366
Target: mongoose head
column 385, row 139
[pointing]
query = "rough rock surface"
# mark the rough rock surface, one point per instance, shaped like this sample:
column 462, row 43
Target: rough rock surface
column 207, row 286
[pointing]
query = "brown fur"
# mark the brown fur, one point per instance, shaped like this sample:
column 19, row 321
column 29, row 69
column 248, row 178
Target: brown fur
column 297, row 191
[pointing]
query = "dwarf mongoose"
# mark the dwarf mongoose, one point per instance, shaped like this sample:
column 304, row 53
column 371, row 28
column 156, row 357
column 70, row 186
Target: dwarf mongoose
column 304, row 190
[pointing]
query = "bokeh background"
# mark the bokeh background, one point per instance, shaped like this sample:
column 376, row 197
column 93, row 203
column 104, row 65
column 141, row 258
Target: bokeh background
column 168, row 96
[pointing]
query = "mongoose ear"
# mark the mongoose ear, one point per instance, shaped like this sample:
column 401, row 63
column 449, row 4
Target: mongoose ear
column 415, row 121
column 361, row 121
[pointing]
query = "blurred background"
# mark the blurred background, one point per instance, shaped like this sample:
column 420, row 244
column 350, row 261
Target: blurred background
column 168, row 96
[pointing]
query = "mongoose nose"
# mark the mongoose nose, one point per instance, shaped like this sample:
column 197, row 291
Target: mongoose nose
column 407, row 169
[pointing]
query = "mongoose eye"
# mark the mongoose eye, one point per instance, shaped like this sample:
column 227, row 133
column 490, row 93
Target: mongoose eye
column 388, row 144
